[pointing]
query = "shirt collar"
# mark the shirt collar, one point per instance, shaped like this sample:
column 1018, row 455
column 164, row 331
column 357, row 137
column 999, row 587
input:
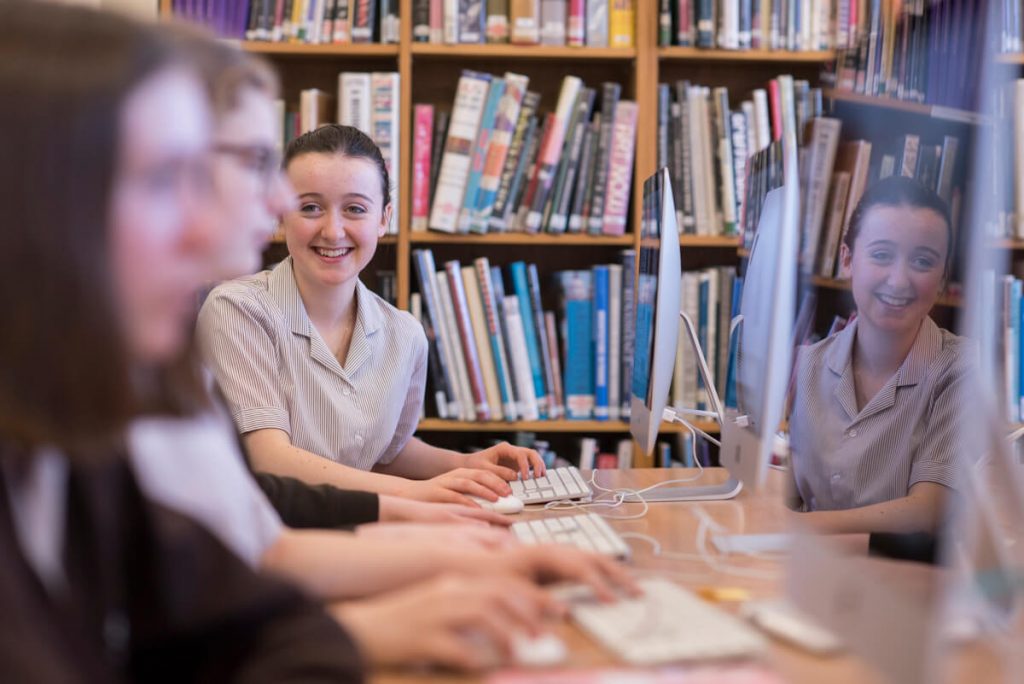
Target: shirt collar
column 285, row 293
column 926, row 347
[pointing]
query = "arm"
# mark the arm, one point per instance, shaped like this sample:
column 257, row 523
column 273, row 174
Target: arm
column 921, row 510
column 417, row 459
column 302, row 505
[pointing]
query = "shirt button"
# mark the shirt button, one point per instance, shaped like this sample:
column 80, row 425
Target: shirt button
column 346, row 391
column 835, row 477
column 851, row 433
column 359, row 438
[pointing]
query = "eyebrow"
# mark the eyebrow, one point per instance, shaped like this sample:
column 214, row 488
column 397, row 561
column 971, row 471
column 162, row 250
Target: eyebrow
column 317, row 195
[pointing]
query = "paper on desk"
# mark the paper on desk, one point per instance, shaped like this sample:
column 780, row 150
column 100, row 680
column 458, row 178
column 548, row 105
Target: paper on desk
column 726, row 674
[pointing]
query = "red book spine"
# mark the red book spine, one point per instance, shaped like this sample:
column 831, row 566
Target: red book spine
column 422, row 136
column 620, row 169
column 461, row 310
column 576, row 23
column 531, row 189
column 775, row 106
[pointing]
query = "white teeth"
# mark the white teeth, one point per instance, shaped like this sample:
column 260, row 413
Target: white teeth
column 894, row 301
column 331, row 253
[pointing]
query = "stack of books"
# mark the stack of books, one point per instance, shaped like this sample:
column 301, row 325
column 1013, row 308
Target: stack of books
column 367, row 101
column 497, row 165
column 496, row 354
column 748, row 24
column 705, row 145
column 296, row 21
column 913, row 50
column 578, row 23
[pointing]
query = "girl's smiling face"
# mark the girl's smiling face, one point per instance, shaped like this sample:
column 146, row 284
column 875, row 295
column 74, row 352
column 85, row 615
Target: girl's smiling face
column 333, row 234
column 897, row 266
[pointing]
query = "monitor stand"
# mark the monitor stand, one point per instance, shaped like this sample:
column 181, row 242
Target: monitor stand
column 730, row 423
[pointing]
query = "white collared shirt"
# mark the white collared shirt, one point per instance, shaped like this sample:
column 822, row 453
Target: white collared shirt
column 276, row 371
column 907, row 433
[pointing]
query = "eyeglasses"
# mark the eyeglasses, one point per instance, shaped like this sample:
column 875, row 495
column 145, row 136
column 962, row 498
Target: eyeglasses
column 262, row 160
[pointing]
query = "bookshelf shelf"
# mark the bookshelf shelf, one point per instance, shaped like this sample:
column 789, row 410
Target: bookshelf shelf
column 459, row 52
column 580, row 426
column 933, row 111
column 717, row 241
column 306, row 50
column 691, row 54
column 546, row 239
column 844, row 285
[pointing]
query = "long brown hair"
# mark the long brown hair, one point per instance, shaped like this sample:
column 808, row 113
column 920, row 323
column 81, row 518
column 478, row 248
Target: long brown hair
column 65, row 72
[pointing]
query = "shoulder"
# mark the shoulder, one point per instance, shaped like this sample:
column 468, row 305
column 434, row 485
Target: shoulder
column 958, row 356
column 399, row 324
column 250, row 294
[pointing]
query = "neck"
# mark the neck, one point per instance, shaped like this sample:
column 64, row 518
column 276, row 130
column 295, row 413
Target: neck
column 326, row 305
column 880, row 352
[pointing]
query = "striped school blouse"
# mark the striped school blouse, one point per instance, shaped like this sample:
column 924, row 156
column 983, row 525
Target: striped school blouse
column 843, row 457
column 277, row 372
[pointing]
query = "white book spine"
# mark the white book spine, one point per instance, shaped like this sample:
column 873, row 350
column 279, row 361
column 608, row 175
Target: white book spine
column 451, row 22
column 444, row 295
column 762, row 121
column 1018, row 159
column 588, row 453
column 354, row 101
column 455, row 162
column 597, row 23
column 614, row 340
column 483, row 341
column 526, row 400
column 702, row 221
column 691, row 304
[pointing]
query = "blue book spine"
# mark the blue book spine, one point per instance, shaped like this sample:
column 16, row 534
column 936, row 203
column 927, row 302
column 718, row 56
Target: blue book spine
column 702, row 336
column 522, row 290
column 479, row 155
column 730, row 376
column 600, row 333
column 578, row 368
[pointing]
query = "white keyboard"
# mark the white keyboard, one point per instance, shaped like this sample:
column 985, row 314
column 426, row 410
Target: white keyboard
column 587, row 531
column 558, row 484
column 667, row 624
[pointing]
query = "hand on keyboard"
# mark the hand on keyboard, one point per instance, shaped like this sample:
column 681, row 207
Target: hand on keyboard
column 547, row 564
column 507, row 461
column 556, row 484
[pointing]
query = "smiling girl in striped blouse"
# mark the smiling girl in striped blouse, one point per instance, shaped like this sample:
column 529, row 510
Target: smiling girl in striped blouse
column 874, row 427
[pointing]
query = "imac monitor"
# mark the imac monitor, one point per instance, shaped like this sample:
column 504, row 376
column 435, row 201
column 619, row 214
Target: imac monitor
column 657, row 303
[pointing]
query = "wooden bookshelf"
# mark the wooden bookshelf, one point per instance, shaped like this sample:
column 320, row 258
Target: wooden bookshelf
column 892, row 104
column 844, row 285
column 572, row 426
column 305, row 50
column 462, row 52
column 692, row 54
column 525, row 239
column 710, row 241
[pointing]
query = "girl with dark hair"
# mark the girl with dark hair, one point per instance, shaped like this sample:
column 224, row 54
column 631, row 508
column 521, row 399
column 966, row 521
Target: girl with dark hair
column 325, row 380
column 875, row 412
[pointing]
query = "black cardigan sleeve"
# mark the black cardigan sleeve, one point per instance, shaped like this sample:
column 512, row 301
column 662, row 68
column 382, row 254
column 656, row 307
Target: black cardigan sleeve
column 303, row 505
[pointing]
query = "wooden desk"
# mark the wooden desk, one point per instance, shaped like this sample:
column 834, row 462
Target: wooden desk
column 675, row 526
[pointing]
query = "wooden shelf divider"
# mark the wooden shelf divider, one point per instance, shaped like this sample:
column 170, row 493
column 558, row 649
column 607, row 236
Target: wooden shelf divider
column 693, row 54
column 581, row 426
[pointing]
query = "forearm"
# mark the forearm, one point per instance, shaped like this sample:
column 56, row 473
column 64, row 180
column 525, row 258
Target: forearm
column 337, row 565
column 420, row 461
column 920, row 511
column 291, row 461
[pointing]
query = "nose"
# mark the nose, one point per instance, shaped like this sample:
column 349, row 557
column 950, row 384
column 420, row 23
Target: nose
column 899, row 275
column 333, row 228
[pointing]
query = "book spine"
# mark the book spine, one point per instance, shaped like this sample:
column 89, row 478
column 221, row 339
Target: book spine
column 513, row 157
column 462, row 129
column 496, row 25
column 423, row 260
column 482, row 341
column 434, row 364
column 552, row 22
column 423, row 116
column 363, row 20
column 420, row 21
column 385, row 124
column 460, row 311
column 436, row 22
column 628, row 319
column 579, row 356
column 471, row 21
column 354, row 100
column 524, row 17
column 824, row 142
column 450, row 14
column 620, row 171
column 550, row 329
column 597, row 23
column 497, row 338
column 569, row 169
column 476, row 167
column 576, row 23
column 687, row 224
column 727, row 185
column 621, row 23
column 542, row 340
column 531, row 181
column 664, row 23
column 522, row 394
column 528, row 408
column 444, row 295
column 551, row 151
column 437, row 141
column 522, row 290
column 588, row 149
column 342, row 26
column 836, row 210
column 705, row 16
column 614, row 340
column 609, row 102
column 497, row 151
column 600, row 342
column 506, row 219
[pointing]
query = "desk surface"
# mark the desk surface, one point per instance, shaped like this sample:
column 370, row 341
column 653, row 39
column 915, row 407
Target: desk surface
column 675, row 526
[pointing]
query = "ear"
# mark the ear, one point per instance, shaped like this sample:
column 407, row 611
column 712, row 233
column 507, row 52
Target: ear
column 385, row 221
column 845, row 260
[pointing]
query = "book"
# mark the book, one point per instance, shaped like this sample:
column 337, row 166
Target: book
column 467, row 401
column 620, row 168
column 565, row 182
column 610, row 93
column 482, row 339
column 364, row 17
column 313, row 107
column 823, row 143
column 423, row 124
column 384, row 125
column 524, row 18
column 838, row 194
column 578, row 384
column 597, row 23
column 505, row 122
column 600, row 334
column 621, row 24
column 421, row 21
column 502, row 369
column 628, row 259
column 533, row 282
column 552, row 22
column 496, row 28
column 355, row 100
column 526, row 395
column 437, row 148
column 576, row 23
column 479, row 154
column 520, row 284
column 436, row 331
column 550, row 330
column 462, row 130
column 513, row 158
column 464, row 324
column 615, row 327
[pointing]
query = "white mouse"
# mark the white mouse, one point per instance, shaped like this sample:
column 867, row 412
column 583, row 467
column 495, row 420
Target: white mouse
column 541, row 651
column 505, row 504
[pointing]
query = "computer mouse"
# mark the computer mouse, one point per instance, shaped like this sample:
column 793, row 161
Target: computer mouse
column 540, row 651
column 505, row 504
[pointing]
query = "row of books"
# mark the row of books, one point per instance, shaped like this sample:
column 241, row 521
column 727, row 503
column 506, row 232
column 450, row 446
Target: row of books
column 748, row 24
column 367, row 101
column 705, row 144
column 296, row 21
column 1010, row 297
column 503, row 357
column 1008, row 162
column 914, row 50
column 578, row 23
column 496, row 164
